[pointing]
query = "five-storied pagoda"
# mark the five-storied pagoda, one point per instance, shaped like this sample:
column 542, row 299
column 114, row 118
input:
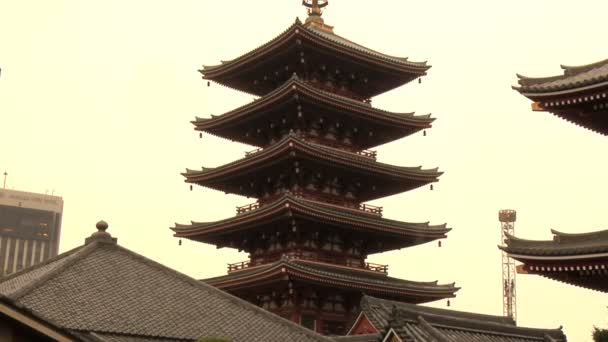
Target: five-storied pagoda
column 309, row 232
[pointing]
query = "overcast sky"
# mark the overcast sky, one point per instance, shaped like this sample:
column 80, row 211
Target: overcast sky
column 96, row 99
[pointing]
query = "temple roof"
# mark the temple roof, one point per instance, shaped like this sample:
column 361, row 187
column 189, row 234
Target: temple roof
column 104, row 292
column 563, row 246
column 574, row 79
column 401, row 70
column 399, row 234
column 338, row 277
column 418, row 323
column 580, row 95
column 395, row 179
column 359, row 338
column 577, row 259
column 225, row 124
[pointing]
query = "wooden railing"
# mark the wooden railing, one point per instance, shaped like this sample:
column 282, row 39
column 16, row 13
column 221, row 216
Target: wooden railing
column 315, row 196
column 368, row 153
column 332, row 144
column 259, row 149
column 247, row 208
column 376, row 267
column 298, row 255
column 372, row 209
column 238, row 266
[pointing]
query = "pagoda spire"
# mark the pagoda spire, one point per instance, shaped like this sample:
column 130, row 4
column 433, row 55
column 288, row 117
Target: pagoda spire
column 314, row 14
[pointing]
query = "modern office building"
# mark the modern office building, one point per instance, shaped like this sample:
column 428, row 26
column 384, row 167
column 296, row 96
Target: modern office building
column 30, row 226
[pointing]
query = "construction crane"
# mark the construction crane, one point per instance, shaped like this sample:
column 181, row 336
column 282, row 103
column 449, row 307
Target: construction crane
column 507, row 227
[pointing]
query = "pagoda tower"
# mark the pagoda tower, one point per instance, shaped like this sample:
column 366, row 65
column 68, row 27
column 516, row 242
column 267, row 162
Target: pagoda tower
column 309, row 232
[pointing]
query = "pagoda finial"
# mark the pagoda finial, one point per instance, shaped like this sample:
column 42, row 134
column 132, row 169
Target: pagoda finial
column 314, row 14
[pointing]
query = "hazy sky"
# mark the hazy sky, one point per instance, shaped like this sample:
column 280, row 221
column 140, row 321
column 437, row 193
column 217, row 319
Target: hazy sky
column 96, row 99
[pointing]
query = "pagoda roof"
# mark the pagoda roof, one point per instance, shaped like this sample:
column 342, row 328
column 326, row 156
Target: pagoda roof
column 241, row 117
column 298, row 34
column 577, row 259
column 402, row 234
column 106, row 293
column 580, row 95
column 574, row 79
column 418, row 323
column 564, row 246
column 336, row 276
column 403, row 178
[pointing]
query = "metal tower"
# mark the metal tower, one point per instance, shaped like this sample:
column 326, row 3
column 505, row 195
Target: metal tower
column 507, row 226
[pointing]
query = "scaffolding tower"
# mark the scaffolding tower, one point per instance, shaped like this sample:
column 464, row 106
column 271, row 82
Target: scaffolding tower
column 507, row 227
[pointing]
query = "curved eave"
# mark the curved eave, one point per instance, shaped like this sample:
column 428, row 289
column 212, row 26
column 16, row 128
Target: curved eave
column 348, row 47
column 563, row 247
column 525, row 256
column 354, row 219
column 575, row 79
column 317, row 152
column 294, row 87
column 399, row 63
column 600, row 234
column 545, row 94
column 358, row 280
column 354, row 52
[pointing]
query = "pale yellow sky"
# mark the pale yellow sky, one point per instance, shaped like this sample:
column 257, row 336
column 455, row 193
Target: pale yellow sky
column 96, row 99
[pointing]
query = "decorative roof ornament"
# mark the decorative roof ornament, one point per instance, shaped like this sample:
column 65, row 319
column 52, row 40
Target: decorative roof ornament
column 314, row 15
column 101, row 235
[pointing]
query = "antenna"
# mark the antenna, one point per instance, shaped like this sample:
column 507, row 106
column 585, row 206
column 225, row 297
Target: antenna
column 507, row 227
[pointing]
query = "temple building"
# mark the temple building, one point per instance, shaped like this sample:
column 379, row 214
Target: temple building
column 580, row 95
column 103, row 292
column 310, row 230
column 577, row 259
column 390, row 321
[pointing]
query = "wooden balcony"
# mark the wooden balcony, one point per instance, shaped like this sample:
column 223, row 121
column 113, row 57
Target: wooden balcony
column 238, row 266
column 247, row 208
column 249, row 153
column 331, row 144
column 372, row 209
column 368, row 153
column 376, row 267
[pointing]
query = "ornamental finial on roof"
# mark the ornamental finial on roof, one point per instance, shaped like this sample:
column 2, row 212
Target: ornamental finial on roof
column 100, row 235
column 314, row 14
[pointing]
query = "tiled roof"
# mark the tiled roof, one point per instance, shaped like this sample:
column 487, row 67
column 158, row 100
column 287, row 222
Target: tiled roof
column 331, row 37
column 574, row 79
column 359, row 338
column 391, row 179
column 219, row 125
column 108, row 293
column 562, row 245
column 340, row 276
column 332, row 214
column 350, row 44
column 337, row 155
column 389, row 71
column 417, row 323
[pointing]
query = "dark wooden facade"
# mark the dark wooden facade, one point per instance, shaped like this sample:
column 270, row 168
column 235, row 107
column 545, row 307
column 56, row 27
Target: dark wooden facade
column 309, row 232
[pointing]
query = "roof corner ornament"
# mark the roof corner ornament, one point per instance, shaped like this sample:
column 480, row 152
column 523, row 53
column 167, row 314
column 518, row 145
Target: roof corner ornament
column 314, row 15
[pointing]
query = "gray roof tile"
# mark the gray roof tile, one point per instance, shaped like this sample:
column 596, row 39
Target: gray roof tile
column 575, row 78
column 418, row 323
column 563, row 244
column 115, row 293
